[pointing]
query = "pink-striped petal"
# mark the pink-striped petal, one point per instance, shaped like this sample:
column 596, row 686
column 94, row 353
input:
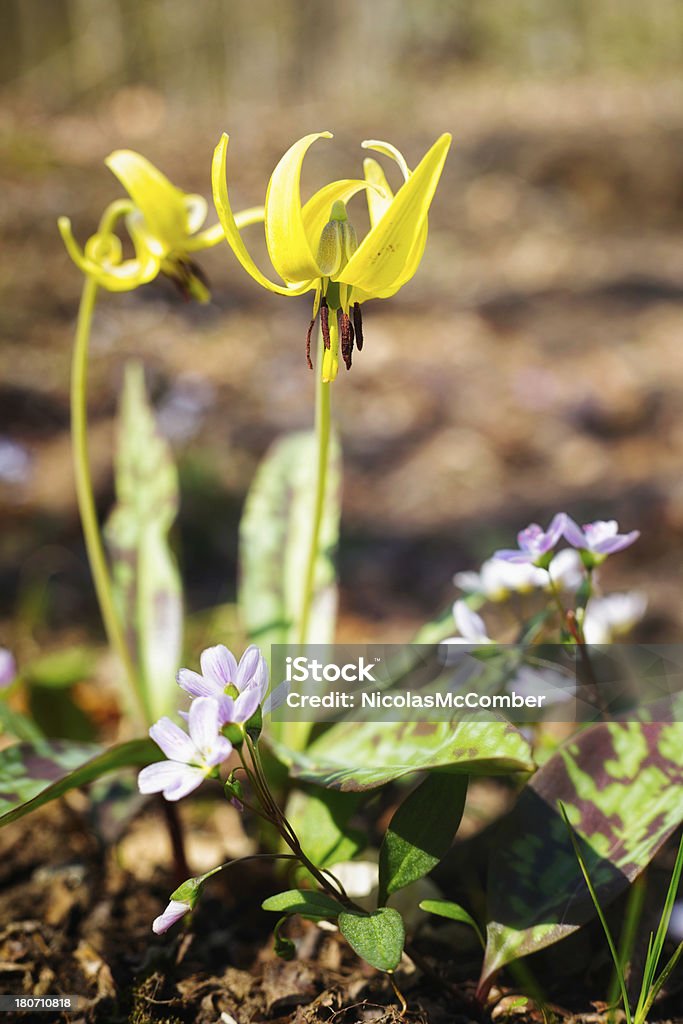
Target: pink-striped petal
column 196, row 685
column 218, row 665
column 204, row 723
column 156, row 777
column 175, row 743
column 226, row 710
column 186, row 780
column 218, row 753
column 574, row 534
column 174, row 911
column 246, row 704
column 247, row 667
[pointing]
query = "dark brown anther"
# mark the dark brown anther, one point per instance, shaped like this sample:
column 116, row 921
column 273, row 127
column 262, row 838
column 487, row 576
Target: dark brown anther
column 308, row 344
column 186, row 276
column 325, row 322
column 345, row 337
column 358, row 324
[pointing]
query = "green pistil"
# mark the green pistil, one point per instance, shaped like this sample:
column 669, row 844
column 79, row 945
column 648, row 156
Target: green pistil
column 338, row 211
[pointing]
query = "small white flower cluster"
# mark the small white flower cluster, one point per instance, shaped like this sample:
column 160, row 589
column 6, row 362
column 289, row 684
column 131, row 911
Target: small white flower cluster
column 534, row 567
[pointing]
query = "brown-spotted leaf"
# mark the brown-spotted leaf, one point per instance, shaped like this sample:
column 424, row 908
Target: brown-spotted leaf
column 354, row 757
column 622, row 786
column 33, row 774
column 275, row 534
column 148, row 586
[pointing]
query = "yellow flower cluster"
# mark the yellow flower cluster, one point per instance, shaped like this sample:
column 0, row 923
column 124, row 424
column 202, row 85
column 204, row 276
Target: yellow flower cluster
column 312, row 246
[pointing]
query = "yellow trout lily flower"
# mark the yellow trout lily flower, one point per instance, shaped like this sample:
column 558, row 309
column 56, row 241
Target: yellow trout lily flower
column 164, row 224
column 314, row 246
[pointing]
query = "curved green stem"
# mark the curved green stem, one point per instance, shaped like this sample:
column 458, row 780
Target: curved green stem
column 323, row 420
column 86, row 499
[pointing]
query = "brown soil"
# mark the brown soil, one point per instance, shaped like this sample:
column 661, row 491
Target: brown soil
column 75, row 920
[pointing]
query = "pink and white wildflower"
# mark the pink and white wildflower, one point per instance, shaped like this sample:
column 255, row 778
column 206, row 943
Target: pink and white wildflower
column 191, row 758
column 470, row 626
column 8, row 668
column 238, row 689
column 599, row 539
column 497, row 579
column 535, row 543
column 174, row 911
column 608, row 618
column 566, row 571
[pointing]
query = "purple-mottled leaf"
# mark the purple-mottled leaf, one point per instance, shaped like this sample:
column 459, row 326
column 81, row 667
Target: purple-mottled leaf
column 148, row 587
column 622, row 786
column 33, row 774
column 275, row 534
column 354, row 757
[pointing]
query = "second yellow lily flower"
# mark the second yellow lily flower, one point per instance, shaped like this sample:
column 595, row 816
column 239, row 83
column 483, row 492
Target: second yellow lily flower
column 313, row 246
column 165, row 225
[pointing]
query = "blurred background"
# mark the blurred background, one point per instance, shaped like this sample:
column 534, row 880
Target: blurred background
column 534, row 364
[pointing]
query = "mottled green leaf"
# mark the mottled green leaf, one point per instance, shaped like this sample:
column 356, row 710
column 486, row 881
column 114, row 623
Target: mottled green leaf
column 421, row 831
column 275, row 534
column 454, row 912
column 33, row 774
column 378, row 937
column 320, row 818
column 148, row 587
column 622, row 786
column 357, row 756
column 306, row 902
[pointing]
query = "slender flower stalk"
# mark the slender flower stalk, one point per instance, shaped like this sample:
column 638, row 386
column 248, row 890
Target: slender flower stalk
column 86, row 499
column 165, row 226
column 323, row 428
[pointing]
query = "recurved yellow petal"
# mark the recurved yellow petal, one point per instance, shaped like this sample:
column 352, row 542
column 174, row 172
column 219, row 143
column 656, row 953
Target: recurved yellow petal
column 288, row 245
column 101, row 261
column 211, row 236
column 389, row 248
column 386, row 149
column 231, row 230
column 381, row 197
column 162, row 205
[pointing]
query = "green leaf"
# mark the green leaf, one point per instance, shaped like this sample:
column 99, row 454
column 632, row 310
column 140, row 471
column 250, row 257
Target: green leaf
column 274, row 542
column 33, row 774
column 377, row 938
column 421, row 831
column 622, row 786
column 320, row 818
column 454, row 912
column 21, row 726
column 146, row 578
column 353, row 756
column 306, row 902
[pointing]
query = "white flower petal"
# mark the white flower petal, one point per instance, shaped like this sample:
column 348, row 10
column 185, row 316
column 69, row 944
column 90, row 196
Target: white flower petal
column 219, row 665
column 204, row 723
column 174, row 742
column 174, row 911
